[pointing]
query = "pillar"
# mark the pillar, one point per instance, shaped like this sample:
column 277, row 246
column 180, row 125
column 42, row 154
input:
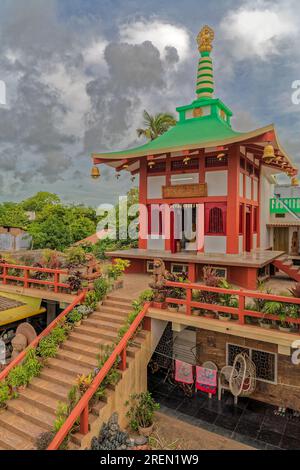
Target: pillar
column 232, row 229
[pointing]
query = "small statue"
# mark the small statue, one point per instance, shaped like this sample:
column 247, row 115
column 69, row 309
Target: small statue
column 159, row 280
column 93, row 270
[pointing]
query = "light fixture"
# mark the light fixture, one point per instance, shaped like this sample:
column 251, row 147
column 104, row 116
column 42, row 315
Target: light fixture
column 95, row 172
column 221, row 156
column 133, row 178
column 151, row 164
column 186, row 160
column 118, row 175
column 268, row 154
column 125, row 166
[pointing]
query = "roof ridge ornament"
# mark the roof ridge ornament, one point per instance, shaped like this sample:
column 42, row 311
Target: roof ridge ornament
column 205, row 39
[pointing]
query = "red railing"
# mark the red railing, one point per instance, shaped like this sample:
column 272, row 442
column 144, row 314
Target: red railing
column 81, row 410
column 240, row 311
column 26, row 280
column 44, row 333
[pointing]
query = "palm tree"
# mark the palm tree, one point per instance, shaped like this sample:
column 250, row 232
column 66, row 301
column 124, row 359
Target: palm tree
column 156, row 125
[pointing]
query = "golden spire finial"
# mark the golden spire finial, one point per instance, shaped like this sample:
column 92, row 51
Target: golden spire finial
column 205, row 38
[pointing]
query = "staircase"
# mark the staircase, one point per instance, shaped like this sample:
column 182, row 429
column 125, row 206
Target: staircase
column 284, row 264
column 33, row 412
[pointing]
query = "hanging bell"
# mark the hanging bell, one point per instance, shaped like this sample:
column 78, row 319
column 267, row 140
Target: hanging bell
column 186, row 160
column 95, row 172
column 151, row 164
column 221, row 156
column 268, row 153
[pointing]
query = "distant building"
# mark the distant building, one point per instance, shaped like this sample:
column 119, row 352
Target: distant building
column 14, row 239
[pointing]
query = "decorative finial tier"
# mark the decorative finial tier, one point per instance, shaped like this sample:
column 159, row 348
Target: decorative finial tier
column 205, row 39
column 205, row 79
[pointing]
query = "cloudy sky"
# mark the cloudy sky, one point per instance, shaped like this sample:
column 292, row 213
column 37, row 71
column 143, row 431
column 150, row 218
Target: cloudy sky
column 80, row 72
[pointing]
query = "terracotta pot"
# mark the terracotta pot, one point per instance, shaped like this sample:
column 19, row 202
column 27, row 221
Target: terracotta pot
column 158, row 305
column 196, row 311
column 77, row 323
column 210, row 314
column 146, row 432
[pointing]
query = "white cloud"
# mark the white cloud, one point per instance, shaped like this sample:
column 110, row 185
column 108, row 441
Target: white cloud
column 159, row 33
column 258, row 32
column 94, row 54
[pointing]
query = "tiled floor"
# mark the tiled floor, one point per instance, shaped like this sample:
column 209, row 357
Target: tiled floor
column 251, row 422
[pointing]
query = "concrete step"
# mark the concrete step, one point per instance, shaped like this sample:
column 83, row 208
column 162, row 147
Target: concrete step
column 117, row 305
column 12, row 441
column 90, row 351
column 83, row 338
column 114, row 311
column 97, row 333
column 118, row 320
column 68, row 368
column 116, row 298
column 20, row 426
column 53, row 390
column 31, row 413
column 57, row 377
column 40, row 400
column 77, row 358
column 105, row 325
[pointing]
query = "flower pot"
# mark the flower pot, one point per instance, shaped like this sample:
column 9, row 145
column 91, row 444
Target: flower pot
column 77, row 323
column 224, row 316
column 285, row 329
column 159, row 305
column 210, row 314
column 173, row 309
column 266, row 326
column 146, row 432
column 196, row 311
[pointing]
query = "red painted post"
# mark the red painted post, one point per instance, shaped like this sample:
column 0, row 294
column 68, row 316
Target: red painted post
column 56, row 282
column 84, row 421
column 188, row 301
column 147, row 324
column 4, row 274
column 26, row 277
column 241, row 309
column 123, row 362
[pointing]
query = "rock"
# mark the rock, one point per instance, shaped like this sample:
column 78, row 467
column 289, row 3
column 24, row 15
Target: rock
column 140, row 441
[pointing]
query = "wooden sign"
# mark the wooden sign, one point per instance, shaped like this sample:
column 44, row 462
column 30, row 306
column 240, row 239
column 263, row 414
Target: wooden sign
column 185, row 190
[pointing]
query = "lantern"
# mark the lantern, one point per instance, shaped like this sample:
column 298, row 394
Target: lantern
column 95, row 172
column 186, row 160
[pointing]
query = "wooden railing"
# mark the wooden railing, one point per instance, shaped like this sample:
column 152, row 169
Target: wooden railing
column 81, row 410
column 239, row 312
column 44, row 333
column 26, row 280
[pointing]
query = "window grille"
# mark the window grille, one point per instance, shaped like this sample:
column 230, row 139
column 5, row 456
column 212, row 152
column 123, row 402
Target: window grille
column 211, row 162
column 216, row 221
column 192, row 164
column 159, row 167
column 265, row 362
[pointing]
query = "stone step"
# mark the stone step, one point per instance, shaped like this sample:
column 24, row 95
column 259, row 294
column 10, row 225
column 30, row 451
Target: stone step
column 114, row 311
column 118, row 320
column 68, row 368
column 97, row 333
column 40, row 400
column 81, row 338
column 57, row 377
column 90, row 351
column 116, row 305
column 20, row 426
column 106, row 325
column 12, row 441
column 32, row 413
column 77, row 358
column 116, row 298
column 53, row 390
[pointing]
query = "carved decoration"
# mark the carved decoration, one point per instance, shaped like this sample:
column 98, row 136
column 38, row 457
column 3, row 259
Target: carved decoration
column 205, row 39
column 185, row 190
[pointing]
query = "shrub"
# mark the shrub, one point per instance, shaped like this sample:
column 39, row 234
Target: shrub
column 141, row 411
column 74, row 316
column 91, row 300
column 32, row 365
column 75, row 256
column 4, row 393
column 17, row 377
column 101, row 287
column 115, row 270
column 84, row 310
column 47, row 347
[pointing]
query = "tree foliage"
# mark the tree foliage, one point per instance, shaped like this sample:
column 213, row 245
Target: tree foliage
column 156, row 125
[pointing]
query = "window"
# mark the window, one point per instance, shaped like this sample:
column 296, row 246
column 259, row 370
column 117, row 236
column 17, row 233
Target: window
column 159, row 167
column 265, row 362
column 215, row 219
column 192, row 164
column 211, row 162
column 242, row 163
column 279, row 216
column 179, row 268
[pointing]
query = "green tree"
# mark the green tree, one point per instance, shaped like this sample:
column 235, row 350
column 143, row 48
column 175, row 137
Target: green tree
column 37, row 202
column 13, row 215
column 156, row 125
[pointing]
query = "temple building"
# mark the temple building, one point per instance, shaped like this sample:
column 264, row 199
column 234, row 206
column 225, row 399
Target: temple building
column 220, row 179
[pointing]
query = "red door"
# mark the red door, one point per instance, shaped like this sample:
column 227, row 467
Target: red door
column 248, row 230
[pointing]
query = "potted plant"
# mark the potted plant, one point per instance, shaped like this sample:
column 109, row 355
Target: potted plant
column 174, row 293
column 84, row 311
column 270, row 308
column 75, row 317
column 228, row 300
column 74, row 281
column 141, row 412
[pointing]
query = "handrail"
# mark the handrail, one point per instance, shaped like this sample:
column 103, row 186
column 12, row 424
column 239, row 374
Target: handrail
column 42, row 335
column 82, row 407
column 26, row 276
column 241, row 294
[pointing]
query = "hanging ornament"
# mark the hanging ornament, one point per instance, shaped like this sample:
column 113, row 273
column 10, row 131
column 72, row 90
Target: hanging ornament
column 268, row 154
column 95, row 172
column 151, row 164
column 186, row 160
column 221, row 156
